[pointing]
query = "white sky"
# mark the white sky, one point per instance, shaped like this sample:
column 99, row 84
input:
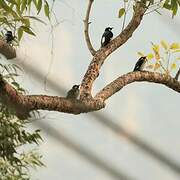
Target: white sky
column 147, row 110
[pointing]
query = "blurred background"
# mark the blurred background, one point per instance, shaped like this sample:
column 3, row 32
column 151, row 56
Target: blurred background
column 137, row 135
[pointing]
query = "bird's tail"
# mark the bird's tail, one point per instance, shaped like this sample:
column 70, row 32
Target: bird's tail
column 102, row 44
column 134, row 69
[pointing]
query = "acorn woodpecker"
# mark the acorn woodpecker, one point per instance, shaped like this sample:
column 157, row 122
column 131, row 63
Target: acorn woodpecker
column 106, row 37
column 9, row 37
column 140, row 63
column 73, row 93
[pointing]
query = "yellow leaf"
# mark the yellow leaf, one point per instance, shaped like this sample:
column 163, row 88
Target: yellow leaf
column 155, row 48
column 150, row 56
column 164, row 45
column 140, row 54
column 156, row 66
column 176, row 51
column 149, row 67
column 173, row 66
column 121, row 12
column 178, row 58
column 157, row 56
column 156, row 51
column 175, row 46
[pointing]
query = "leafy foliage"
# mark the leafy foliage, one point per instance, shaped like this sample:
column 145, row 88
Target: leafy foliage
column 15, row 15
column 14, row 162
column 172, row 5
column 151, row 5
column 164, row 57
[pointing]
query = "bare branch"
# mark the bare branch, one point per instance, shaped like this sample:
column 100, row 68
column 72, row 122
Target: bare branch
column 177, row 75
column 8, row 51
column 131, row 77
column 86, row 28
column 99, row 58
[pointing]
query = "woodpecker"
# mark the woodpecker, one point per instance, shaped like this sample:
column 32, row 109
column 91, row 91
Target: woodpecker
column 9, row 37
column 140, row 63
column 106, row 37
column 73, row 93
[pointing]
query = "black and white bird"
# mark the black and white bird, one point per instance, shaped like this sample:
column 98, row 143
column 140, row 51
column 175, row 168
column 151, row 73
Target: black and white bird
column 9, row 37
column 106, row 37
column 140, row 63
column 73, row 93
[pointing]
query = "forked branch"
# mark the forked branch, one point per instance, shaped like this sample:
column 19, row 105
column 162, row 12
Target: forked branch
column 99, row 58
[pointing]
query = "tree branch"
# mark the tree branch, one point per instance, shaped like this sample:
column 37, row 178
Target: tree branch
column 8, row 51
column 86, row 28
column 99, row 58
column 22, row 105
column 177, row 75
column 131, row 77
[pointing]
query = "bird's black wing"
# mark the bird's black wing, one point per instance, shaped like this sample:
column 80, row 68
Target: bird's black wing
column 138, row 64
column 106, row 37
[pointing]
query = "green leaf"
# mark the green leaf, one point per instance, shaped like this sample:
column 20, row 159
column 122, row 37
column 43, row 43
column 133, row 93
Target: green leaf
column 175, row 46
column 164, row 45
column 140, row 54
column 20, row 33
column 39, row 6
column 28, row 30
column 37, row 19
column 121, row 12
column 23, row 5
column 150, row 56
column 174, row 7
column 29, row 2
column 8, row 9
column 35, row 3
column 46, row 9
column 173, row 66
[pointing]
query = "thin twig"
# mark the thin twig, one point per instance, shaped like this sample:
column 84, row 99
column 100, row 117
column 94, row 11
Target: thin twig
column 86, row 29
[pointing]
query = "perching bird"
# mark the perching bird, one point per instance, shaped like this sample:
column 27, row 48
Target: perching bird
column 107, row 36
column 140, row 63
column 9, row 37
column 73, row 93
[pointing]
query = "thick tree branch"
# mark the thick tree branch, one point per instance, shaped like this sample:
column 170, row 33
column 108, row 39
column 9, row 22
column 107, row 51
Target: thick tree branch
column 99, row 58
column 22, row 105
column 131, row 77
column 86, row 28
column 177, row 75
column 8, row 51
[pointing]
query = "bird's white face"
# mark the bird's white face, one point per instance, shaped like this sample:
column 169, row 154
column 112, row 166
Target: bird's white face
column 75, row 87
column 108, row 29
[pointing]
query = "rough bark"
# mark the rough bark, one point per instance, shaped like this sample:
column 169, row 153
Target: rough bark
column 137, row 76
column 99, row 58
column 23, row 104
